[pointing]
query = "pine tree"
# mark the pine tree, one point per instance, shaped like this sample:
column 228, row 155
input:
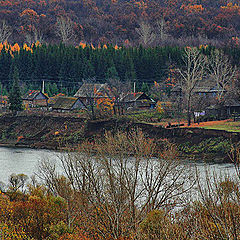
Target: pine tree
column 111, row 73
column 15, row 98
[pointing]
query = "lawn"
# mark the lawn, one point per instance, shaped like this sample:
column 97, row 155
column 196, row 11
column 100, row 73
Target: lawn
column 227, row 125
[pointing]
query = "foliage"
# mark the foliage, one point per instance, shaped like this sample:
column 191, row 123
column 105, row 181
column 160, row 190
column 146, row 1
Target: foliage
column 116, row 21
column 145, row 116
column 210, row 145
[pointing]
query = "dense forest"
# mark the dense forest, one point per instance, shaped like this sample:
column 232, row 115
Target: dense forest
column 64, row 67
column 130, row 22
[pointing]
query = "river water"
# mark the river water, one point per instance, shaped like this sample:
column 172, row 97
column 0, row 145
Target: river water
column 23, row 160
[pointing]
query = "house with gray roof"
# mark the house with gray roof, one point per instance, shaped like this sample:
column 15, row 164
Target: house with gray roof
column 90, row 92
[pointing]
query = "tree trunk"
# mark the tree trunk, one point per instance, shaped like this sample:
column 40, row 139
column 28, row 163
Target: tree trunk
column 189, row 110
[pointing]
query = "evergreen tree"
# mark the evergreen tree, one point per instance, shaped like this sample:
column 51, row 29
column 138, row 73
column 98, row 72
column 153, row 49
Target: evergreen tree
column 15, row 98
column 111, row 73
column 145, row 88
column 54, row 89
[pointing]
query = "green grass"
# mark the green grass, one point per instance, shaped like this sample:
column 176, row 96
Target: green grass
column 227, row 126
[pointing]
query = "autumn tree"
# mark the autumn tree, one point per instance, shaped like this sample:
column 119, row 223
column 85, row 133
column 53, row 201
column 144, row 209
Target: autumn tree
column 190, row 75
column 31, row 30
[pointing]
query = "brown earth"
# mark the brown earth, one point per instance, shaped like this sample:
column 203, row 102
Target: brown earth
column 51, row 132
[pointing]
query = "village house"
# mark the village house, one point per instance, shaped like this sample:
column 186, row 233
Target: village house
column 204, row 88
column 230, row 108
column 138, row 100
column 91, row 92
column 67, row 104
column 35, row 98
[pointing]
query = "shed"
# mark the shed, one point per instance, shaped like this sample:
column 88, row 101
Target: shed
column 65, row 104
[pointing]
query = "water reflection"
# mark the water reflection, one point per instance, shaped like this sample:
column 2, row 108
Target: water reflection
column 16, row 160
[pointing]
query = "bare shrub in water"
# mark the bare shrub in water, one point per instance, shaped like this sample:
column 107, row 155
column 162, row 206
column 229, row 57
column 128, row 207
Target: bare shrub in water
column 122, row 177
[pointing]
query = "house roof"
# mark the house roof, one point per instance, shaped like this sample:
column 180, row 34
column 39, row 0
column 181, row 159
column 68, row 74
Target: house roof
column 31, row 94
column 64, row 103
column 132, row 97
column 94, row 90
column 52, row 100
column 199, row 89
column 232, row 103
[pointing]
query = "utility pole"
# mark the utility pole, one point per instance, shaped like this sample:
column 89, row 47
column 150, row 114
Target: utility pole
column 43, row 82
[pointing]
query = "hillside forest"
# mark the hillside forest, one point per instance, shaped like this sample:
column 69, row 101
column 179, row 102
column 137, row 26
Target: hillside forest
column 129, row 22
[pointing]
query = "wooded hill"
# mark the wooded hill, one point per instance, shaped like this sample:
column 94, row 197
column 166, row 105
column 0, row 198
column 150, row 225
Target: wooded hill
column 115, row 21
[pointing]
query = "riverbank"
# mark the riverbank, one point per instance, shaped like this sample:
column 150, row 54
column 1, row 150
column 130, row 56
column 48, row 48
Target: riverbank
column 49, row 132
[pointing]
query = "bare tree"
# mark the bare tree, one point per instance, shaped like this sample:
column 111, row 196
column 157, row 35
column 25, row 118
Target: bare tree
column 146, row 34
column 17, row 181
column 190, row 75
column 123, row 180
column 221, row 71
column 64, row 29
column 34, row 36
column 161, row 28
column 5, row 31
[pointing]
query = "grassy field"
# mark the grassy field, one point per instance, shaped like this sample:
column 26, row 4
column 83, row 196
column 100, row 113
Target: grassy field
column 229, row 126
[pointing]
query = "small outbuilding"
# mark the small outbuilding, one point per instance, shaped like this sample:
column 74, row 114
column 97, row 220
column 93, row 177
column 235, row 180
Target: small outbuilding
column 35, row 98
column 67, row 104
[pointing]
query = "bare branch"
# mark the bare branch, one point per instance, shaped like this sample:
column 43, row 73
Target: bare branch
column 221, row 71
column 146, row 34
column 64, row 29
column 5, row 31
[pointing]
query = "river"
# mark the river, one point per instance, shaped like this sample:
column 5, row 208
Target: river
column 21, row 160
column 24, row 160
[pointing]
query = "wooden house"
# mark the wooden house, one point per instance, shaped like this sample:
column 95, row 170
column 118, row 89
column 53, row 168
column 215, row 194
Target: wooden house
column 203, row 88
column 137, row 100
column 35, row 98
column 67, row 104
column 90, row 92
column 230, row 108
